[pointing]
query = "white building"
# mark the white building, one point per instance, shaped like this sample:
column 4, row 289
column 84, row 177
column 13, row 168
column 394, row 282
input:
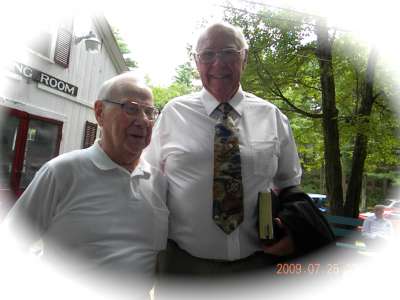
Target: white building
column 47, row 96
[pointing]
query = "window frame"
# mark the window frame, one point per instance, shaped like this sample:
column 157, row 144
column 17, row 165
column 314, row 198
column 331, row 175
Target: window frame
column 53, row 31
column 20, row 143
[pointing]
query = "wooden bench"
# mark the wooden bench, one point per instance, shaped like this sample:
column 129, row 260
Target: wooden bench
column 347, row 232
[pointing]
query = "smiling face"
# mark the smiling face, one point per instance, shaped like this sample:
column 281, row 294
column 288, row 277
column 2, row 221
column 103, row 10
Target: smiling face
column 124, row 136
column 221, row 79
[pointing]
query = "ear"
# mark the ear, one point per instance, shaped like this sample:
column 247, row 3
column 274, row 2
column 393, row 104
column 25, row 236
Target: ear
column 99, row 112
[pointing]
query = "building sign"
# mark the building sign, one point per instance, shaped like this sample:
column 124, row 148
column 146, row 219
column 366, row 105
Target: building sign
column 46, row 79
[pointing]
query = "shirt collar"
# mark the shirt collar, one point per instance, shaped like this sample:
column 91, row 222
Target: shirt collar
column 142, row 169
column 210, row 103
column 103, row 162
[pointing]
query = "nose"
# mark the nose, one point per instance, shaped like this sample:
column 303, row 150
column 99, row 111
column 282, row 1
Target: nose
column 218, row 59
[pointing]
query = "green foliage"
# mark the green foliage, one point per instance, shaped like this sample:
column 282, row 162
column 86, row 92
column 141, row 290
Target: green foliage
column 186, row 74
column 392, row 175
column 183, row 84
column 283, row 68
column 381, row 126
column 375, row 196
column 308, row 134
column 124, row 48
column 130, row 62
column 164, row 94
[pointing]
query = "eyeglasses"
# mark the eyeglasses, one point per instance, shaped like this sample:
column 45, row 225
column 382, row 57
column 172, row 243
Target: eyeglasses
column 133, row 108
column 225, row 55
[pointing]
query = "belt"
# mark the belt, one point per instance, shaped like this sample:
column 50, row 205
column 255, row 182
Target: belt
column 177, row 261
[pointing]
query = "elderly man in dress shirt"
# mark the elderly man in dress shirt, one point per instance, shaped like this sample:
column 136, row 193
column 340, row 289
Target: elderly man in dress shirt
column 376, row 229
column 206, row 235
column 101, row 211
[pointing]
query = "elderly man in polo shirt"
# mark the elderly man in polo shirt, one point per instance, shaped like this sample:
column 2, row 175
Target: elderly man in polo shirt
column 101, row 211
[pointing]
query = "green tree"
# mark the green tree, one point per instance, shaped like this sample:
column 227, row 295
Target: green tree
column 183, row 83
column 186, row 74
column 124, row 48
column 164, row 94
column 305, row 68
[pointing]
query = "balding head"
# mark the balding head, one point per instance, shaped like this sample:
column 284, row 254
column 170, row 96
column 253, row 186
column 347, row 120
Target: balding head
column 221, row 59
column 123, row 86
column 226, row 28
column 379, row 211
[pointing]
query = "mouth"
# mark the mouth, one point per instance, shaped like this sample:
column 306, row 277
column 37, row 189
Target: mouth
column 137, row 136
column 220, row 77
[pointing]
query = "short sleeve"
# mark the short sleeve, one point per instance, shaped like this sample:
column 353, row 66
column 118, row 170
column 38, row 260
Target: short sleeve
column 33, row 212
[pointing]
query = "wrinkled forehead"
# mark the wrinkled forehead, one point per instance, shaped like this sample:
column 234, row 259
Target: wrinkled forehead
column 128, row 90
column 219, row 38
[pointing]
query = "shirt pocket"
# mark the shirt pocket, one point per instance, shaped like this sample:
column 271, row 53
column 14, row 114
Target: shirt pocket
column 161, row 216
column 264, row 157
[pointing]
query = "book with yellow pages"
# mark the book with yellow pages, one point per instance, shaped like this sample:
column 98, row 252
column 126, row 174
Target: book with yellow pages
column 265, row 220
column 268, row 230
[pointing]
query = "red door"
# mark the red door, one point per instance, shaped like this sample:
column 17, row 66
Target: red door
column 27, row 142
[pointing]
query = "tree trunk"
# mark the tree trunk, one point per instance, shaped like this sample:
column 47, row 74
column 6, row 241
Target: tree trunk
column 364, row 194
column 361, row 142
column 333, row 168
column 385, row 186
column 322, row 179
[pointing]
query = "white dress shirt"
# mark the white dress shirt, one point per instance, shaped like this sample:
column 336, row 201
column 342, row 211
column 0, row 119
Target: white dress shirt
column 93, row 215
column 183, row 147
column 374, row 227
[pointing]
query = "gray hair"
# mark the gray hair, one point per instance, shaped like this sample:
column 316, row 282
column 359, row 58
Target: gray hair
column 379, row 206
column 123, row 85
column 225, row 27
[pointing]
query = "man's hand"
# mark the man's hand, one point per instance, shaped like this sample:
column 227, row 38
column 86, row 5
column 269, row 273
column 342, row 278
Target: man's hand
column 284, row 246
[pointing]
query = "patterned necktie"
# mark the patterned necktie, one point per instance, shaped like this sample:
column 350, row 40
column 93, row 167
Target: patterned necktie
column 228, row 188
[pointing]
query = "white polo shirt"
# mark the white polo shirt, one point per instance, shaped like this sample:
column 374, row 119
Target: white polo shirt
column 93, row 215
column 182, row 147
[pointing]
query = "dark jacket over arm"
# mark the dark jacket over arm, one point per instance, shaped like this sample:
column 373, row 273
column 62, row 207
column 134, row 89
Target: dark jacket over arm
column 307, row 226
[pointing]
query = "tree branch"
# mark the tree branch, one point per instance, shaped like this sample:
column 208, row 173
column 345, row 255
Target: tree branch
column 277, row 91
column 381, row 93
column 306, row 49
column 332, row 39
column 307, row 86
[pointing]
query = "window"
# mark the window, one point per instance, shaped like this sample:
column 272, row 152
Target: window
column 41, row 146
column 63, row 47
column 9, row 132
column 90, row 134
column 53, row 42
column 27, row 142
column 42, row 42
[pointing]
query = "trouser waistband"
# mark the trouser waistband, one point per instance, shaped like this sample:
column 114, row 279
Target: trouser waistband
column 176, row 261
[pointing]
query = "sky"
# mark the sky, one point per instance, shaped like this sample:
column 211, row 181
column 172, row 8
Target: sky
column 158, row 37
column 157, row 33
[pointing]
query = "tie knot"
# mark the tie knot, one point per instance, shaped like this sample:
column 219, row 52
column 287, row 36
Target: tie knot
column 225, row 108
